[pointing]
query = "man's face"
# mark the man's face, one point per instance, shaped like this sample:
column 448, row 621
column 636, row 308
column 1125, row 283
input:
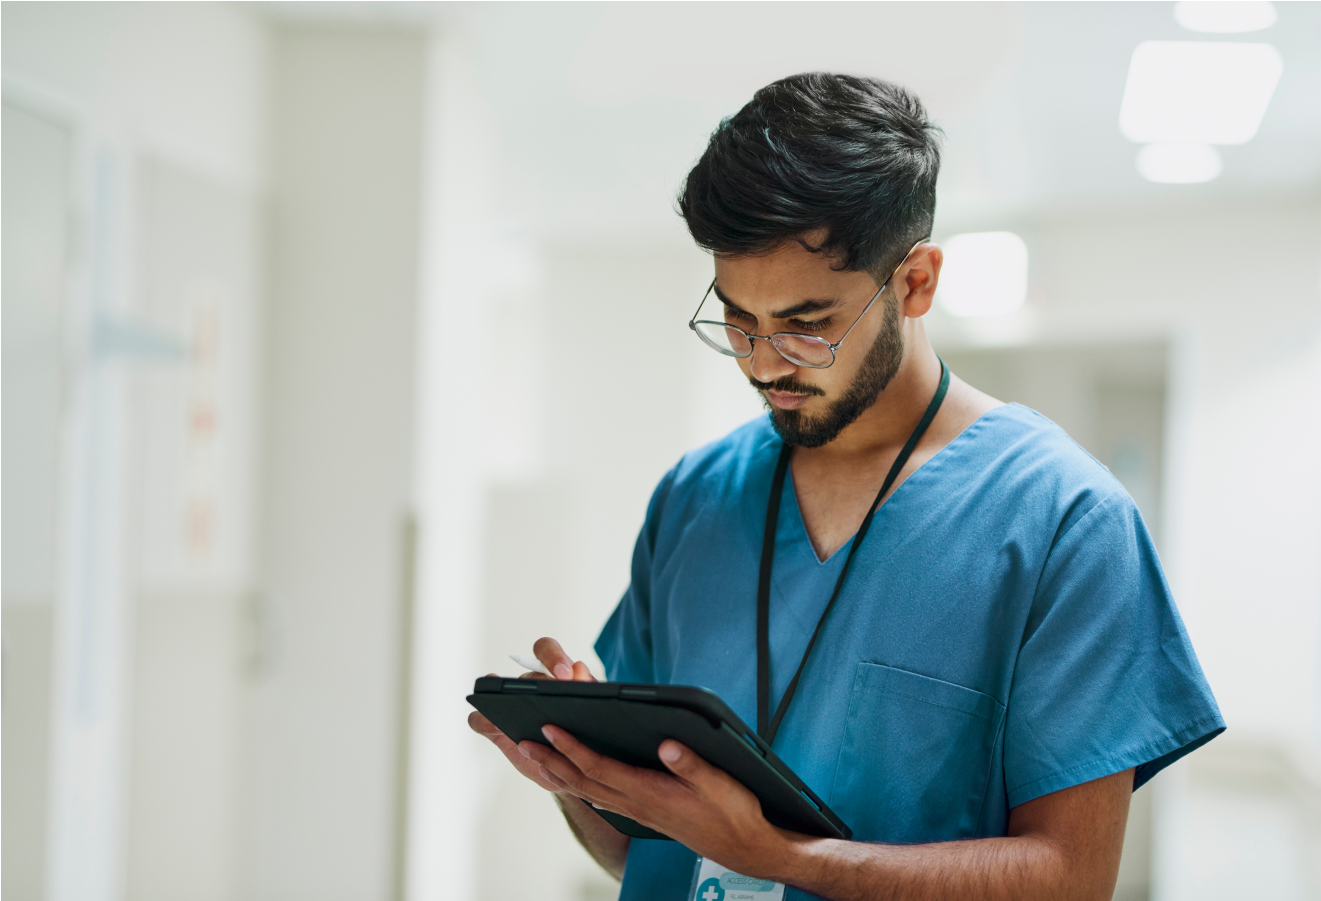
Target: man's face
column 795, row 290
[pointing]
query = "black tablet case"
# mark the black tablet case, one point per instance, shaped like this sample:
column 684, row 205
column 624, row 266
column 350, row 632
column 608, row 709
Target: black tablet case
column 628, row 722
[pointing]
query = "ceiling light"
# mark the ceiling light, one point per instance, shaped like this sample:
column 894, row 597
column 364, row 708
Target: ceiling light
column 1198, row 92
column 1179, row 164
column 1224, row 16
column 985, row 274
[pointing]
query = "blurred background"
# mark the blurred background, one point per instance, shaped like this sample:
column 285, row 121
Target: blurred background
column 343, row 345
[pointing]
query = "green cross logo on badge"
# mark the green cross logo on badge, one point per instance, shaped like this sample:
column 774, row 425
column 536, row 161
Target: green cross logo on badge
column 711, row 890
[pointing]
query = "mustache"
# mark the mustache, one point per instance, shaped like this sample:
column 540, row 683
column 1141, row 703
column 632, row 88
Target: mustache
column 787, row 386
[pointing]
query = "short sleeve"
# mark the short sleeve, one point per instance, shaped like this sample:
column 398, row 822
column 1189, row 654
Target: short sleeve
column 624, row 645
column 1106, row 678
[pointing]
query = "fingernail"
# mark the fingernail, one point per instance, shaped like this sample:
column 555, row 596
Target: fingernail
column 563, row 671
column 526, row 752
column 669, row 753
column 545, row 730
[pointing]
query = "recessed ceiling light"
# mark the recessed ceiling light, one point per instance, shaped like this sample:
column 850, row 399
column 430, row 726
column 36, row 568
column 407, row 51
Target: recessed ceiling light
column 1198, row 92
column 1224, row 16
column 1179, row 164
column 985, row 274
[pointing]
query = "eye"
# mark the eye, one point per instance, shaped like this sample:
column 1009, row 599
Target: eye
column 734, row 315
column 818, row 325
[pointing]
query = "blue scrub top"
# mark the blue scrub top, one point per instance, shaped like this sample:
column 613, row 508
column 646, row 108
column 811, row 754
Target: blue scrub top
column 1005, row 631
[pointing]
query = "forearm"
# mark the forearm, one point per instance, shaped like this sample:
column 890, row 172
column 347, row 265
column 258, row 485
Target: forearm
column 1020, row 868
column 607, row 845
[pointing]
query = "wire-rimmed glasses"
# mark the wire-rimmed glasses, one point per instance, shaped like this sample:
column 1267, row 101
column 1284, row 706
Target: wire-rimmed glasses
column 801, row 350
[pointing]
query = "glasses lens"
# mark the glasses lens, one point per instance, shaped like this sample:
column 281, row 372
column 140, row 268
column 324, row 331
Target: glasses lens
column 804, row 350
column 726, row 339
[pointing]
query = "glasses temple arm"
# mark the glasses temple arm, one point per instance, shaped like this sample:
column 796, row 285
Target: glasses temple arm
column 705, row 295
column 836, row 345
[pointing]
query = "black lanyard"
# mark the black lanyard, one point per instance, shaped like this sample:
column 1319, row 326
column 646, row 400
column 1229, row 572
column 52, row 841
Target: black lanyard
column 765, row 730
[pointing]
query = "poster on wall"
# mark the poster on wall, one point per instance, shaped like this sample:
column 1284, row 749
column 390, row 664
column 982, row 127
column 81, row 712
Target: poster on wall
column 196, row 409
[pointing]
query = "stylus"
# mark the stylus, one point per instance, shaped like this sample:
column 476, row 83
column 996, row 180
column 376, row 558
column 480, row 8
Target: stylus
column 530, row 663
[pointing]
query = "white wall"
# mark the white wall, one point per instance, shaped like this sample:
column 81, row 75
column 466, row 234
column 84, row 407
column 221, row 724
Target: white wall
column 193, row 428
column 320, row 788
column 184, row 80
column 37, row 152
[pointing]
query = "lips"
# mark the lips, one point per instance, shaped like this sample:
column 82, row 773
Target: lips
column 786, row 401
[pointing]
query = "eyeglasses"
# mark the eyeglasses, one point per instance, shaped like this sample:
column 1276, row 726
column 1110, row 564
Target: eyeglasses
column 801, row 350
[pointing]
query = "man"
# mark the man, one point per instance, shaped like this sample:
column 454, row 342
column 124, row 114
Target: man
column 988, row 659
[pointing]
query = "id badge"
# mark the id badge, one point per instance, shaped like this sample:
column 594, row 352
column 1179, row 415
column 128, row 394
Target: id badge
column 712, row 882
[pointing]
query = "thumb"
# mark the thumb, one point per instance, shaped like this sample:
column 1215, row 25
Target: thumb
column 682, row 762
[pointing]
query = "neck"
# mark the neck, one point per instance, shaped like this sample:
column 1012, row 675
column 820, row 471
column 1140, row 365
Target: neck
column 886, row 425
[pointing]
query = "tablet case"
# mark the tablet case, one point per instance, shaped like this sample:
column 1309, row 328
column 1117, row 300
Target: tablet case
column 629, row 721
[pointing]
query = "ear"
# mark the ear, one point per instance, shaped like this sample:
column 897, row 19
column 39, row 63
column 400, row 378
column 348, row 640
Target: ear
column 915, row 282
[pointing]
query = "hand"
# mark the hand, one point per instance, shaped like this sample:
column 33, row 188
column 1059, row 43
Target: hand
column 694, row 803
column 552, row 656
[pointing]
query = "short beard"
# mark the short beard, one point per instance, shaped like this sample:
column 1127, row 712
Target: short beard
column 878, row 369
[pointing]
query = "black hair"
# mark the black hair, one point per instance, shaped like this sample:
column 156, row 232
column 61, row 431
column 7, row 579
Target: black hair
column 857, row 157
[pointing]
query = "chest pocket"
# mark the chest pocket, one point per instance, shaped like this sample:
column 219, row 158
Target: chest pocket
column 916, row 757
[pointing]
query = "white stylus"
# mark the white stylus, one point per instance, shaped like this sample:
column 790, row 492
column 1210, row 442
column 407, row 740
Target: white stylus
column 530, row 663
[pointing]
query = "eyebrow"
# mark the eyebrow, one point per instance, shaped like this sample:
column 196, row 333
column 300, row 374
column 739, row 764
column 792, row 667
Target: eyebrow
column 802, row 308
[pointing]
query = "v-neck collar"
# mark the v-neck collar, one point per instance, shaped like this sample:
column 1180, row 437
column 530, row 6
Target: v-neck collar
column 801, row 525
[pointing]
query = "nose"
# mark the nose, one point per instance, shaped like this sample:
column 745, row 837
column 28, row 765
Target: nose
column 767, row 365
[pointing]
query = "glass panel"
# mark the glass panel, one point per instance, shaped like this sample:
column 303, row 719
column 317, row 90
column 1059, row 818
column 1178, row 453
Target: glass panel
column 35, row 217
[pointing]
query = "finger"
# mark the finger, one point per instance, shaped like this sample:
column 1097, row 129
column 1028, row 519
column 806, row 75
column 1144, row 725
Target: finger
column 692, row 769
column 551, row 759
column 567, row 776
column 552, row 656
column 485, row 728
column 605, row 771
column 555, row 780
column 602, row 781
column 601, row 806
column 683, row 763
column 506, row 744
column 581, row 673
column 595, row 803
column 482, row 726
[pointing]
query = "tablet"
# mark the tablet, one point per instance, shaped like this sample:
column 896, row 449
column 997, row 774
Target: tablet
column 628, row 722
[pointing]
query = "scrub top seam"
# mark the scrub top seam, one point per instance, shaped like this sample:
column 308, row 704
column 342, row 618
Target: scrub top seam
column 997, row 743
column 858, row 676
column 1118, row 492
column 1045, row 563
